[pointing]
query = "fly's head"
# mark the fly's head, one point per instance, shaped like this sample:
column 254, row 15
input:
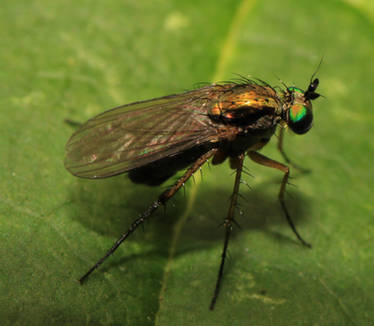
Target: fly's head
column 298, row 113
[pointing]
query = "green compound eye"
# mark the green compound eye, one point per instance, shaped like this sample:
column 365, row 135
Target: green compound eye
column 297, row 112
column 300, row 118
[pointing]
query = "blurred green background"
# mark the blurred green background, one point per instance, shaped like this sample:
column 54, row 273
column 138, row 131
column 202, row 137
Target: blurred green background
column 69, row 59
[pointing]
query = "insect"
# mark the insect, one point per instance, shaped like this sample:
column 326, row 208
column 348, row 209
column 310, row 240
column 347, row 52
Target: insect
column 152, row 140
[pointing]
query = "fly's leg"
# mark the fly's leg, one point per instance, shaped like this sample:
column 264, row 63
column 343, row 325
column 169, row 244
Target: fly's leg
column 263, row 160
column 285, row 157
column 162, row 199
column 228, row 227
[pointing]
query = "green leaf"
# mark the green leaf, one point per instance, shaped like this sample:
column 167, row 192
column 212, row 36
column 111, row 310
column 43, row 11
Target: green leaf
column 65, row 59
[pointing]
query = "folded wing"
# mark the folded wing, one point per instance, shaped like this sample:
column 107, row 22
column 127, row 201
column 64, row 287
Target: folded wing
column 137, row 134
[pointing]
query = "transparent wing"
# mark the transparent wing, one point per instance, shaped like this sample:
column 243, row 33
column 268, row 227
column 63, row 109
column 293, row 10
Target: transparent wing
column 136, row 134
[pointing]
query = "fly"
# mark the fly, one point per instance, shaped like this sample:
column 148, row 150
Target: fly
column 152, row 140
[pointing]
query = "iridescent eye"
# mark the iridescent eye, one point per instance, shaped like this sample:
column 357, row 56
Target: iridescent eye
column 299, row 118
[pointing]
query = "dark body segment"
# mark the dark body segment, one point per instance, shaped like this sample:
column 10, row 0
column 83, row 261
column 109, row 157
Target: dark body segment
column 155, row 173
